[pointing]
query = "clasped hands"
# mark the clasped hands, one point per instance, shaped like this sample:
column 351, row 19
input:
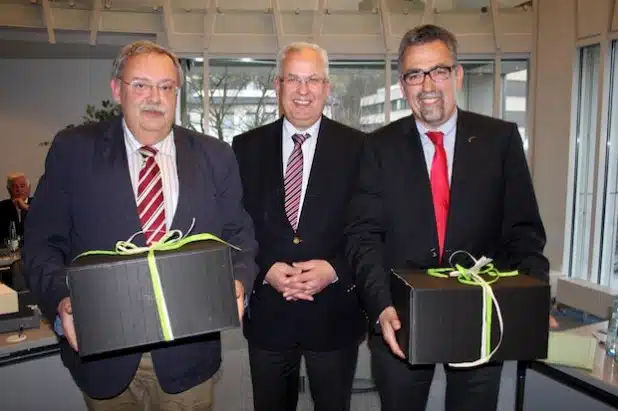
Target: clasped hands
column 301, row 280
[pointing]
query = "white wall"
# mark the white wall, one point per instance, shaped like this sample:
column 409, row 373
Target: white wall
column 38, row 97
column 555, row 59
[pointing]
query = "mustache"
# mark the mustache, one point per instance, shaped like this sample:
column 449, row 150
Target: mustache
column 152, row 107
column 429, row 94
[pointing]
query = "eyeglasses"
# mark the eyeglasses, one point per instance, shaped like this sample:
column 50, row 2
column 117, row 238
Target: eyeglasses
column 311, row 82
column 141, row 87
column 437, row 74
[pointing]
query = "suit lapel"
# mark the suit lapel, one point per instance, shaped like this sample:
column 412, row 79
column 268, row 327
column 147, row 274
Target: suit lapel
column 326, row 153
column 418, row 193
column 117, row 185
column 272, row 178
column 185, row 162
column 464, row 159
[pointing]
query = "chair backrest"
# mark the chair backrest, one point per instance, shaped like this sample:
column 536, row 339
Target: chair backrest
column 17, row 277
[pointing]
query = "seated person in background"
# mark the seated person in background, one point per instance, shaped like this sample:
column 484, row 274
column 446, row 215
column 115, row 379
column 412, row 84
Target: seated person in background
column 16, row 207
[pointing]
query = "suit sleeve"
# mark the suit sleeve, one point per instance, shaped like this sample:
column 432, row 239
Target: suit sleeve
column 364, row 234
column 523, row 234
column 237, row 226
column 47, row 231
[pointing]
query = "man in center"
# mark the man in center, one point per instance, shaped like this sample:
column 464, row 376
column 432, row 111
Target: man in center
column 297, row 174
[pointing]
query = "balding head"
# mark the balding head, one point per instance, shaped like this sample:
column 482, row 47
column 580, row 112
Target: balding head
column 18, row 185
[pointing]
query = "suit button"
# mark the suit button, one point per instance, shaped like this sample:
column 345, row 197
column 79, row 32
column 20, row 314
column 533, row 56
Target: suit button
column 296, row 240
column 434, row 253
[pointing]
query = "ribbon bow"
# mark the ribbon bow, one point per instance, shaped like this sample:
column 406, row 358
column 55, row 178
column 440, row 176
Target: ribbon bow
column 172, row 240
column 472, row 276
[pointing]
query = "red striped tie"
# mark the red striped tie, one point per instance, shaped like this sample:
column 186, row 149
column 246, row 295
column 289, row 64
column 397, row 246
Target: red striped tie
column 440, row 190
column 294, row 180
column 150, row 204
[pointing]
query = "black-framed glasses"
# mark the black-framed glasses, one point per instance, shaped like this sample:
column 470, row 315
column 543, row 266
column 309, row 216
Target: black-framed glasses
column 141, row 87
column 437, row 74
column 296, row 81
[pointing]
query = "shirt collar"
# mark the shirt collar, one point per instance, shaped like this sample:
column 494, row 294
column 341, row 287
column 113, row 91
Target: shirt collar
column 164, row 146
column 289, row 130
column 446, row 128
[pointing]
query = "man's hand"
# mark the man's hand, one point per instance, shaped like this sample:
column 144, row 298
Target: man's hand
column 21, row 203
column 389, row 322
column 553, row 323
column 65, row 312
column 279, row 274
column 240, row 299
column 315, row 276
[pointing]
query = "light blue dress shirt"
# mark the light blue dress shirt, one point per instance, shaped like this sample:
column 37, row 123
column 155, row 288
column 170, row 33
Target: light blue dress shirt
column 450, row 130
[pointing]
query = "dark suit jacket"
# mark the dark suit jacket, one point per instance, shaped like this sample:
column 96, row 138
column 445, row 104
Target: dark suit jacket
column 85, row 201
column 8, row 213
column 333, row 320
column 493, row 209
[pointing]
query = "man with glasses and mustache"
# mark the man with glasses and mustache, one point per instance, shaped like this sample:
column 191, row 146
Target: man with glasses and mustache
column 438, row 181
column 139, row 172
column 297, row 174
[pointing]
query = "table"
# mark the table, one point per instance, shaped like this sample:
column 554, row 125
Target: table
column 7, row 258
column 39, row 342
column 600, row 383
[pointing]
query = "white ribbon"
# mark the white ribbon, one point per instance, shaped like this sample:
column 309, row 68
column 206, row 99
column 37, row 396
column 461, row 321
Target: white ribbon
column 488, row 298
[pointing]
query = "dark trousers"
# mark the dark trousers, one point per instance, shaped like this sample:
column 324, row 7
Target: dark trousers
column 404, row 387
column 275, row 378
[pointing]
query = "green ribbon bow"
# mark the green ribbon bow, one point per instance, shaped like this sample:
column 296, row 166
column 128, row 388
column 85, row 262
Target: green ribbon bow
column 472, row 276
column 172, row 240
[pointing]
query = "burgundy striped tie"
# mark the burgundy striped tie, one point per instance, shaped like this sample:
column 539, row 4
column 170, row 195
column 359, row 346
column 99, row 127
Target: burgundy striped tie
column 150, row 204
column 294, row 180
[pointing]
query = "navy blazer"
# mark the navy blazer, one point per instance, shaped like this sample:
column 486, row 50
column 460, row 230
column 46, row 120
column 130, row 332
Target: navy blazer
column 85, row 201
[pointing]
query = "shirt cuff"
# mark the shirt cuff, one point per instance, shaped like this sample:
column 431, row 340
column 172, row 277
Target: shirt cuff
column 58, row 326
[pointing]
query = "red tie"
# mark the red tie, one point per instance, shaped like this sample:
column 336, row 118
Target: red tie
column 439, row 185
column 293, row 180
column 150, row 204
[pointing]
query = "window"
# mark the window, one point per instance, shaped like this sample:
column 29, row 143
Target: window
column 241, row 97
column 584, row 161
column 477, row 92
column 514, row 107
column 609, row 216
column 357, row 94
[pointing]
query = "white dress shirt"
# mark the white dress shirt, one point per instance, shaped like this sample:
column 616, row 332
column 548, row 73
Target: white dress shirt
column 450, row 130
column 165, row 158
column 308, row 149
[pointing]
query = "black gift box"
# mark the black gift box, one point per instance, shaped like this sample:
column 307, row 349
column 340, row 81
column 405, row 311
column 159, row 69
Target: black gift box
column 114, row 303
column 442, row 318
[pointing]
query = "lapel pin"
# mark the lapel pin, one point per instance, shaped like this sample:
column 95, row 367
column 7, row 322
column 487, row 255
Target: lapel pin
column 471, row 138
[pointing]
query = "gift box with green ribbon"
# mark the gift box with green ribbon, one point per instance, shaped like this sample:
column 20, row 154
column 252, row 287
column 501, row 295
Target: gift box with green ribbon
column 135, row 298
column 451, row 316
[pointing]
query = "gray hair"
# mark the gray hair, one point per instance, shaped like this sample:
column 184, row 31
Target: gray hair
column 300, row 46
column 144, row 47
column 425, row 34
column 14, row 176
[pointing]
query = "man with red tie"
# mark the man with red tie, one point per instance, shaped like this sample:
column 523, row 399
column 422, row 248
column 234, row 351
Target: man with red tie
column 105, row 181
column 438, row 181
column 297, row 174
